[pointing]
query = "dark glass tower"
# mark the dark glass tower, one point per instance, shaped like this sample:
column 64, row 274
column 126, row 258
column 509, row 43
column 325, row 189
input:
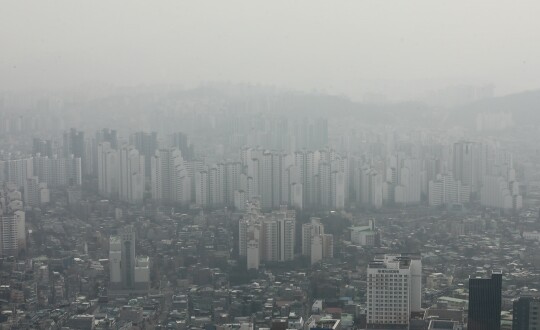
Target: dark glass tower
column 485, row 303
column 74, row 143
column 181, row 141
column 147, row 145
column 525, row 313
column 128, row 257
column 43, row 147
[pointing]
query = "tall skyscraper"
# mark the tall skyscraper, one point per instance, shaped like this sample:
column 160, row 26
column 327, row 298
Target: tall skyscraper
column 525, row 313
column 74, row 144
column 202, row 197
column 216, row 185
column 18, row 170
column 166, row 173
column 31, row 192
column 127, row 271
column 485, row 302
column 128, row 256
column 498, row 192
column 132, row 177
column 147, row 145
column 43, row 147
column 65, row 171
column 338, row 193
column 394, row 289
column 12, row 233
column 180, row 140
column 233, row 170
column 368, row 187
column 407, row 182
column 315, row 243
column 313, row 228
column 107, row 135
column 467, row 164
column 108, row 170
column 444, row 190
column 271, row 234
column 103, row 135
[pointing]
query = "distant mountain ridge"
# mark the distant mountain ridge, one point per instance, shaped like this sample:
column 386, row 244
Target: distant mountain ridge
column 524, row 106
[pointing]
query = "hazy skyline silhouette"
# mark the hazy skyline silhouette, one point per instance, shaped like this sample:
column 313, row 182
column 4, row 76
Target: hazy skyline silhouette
column 401, row 49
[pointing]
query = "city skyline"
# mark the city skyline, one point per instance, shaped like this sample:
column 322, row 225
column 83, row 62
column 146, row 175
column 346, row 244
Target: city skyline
column 269, row 165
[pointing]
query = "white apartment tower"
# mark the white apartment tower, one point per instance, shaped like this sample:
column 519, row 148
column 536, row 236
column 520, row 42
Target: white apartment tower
column 447, row 191
column 315, row 243
column 165, row 165
column 266, row 237
column 240, row 199
column 265, row 187
column 338, row 193
column 408, row 189
column 499, row 192
column 108, row 164
column 216, row 185
column 313, row 228
column 394, row 289
column 32, row 192
column 232, row 180
column 12, row 233
column 132, row 176
column 18, row 170
column 297, row 193
column 467, row 164
column 202, row 197
column 368, row 187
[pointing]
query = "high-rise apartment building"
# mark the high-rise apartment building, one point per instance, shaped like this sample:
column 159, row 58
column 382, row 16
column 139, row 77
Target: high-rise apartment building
column 66, row 171
column 12, row 233
column 368, row 187
column 58, row 172
column 467, row 164
column 31, row 192
column 43, row 147
column 181, row 141
column 108, row 170
column 270, row 236
column 131, row 173
column 75, row 144
column 499, row 192
column 202, row 197
column 322, row 247
column 408, row 187
column 444, row 190
column 216, row 185
column 315, row 243
column 103, row 135
column 232, row 181
column 147, row 145
column 485, row 302
column 17, row 171
column 394, row 289
column 107, row 135
column 166, row 175
column 313, row 228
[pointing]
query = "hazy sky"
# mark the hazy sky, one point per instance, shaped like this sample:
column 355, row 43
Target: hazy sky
column 344, row 47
